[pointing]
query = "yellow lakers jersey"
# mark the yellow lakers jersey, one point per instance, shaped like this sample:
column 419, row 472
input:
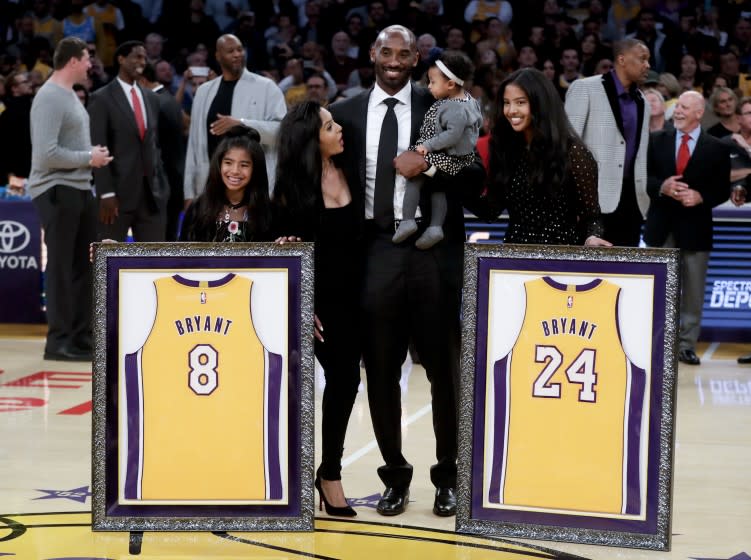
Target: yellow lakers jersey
column 203, row 397
column 568, row 404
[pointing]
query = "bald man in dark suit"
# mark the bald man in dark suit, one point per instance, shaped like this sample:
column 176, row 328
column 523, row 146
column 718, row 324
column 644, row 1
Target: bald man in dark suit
column 688, row 174
column 410, row 294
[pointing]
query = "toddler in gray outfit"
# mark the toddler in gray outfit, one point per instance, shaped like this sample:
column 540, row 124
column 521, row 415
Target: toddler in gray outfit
column 447, row 140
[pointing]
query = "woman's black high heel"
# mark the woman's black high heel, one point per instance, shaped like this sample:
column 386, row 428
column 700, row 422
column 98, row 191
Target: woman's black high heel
column 345, row 511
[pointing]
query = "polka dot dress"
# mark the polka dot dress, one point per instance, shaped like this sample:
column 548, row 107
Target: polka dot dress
column 564, row 216
column 448, row 164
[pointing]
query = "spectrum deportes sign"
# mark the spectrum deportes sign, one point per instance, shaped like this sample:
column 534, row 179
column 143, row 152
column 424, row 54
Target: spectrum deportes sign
column 731, row 294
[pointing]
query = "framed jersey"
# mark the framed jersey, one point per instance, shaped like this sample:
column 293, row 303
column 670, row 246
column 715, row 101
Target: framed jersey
column 568, row 394
column 203, row 387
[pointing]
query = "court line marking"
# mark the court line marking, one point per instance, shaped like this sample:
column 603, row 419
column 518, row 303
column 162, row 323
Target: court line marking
column 373, row 444
column 709, row 352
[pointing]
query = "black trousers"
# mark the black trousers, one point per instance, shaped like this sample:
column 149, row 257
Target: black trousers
column 148, row 221
column 623, row 226
column 68, row 216
column 339, row 356
column 408, row 297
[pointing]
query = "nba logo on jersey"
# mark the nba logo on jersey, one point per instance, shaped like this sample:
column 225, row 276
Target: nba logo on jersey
column 203, row 297
column 570, row 302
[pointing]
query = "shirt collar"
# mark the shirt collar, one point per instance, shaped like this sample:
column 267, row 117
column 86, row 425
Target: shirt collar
column 126, row 86
column 404, row 95
column 620, row 89
column 694, row 134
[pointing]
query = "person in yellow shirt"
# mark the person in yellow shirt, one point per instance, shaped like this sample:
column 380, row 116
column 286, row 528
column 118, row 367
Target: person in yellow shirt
column 109, row 19
column 46, row 25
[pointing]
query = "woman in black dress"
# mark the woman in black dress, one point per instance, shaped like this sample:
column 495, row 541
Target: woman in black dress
column 312, row 201
column 235, row 204
column 540, row 170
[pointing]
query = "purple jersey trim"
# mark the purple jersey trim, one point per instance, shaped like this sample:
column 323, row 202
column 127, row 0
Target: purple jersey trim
column 197, row 283
column 499, row 433
column 293, row 392
column 134, row 423
column 274, row 396
column 655, row 270
column 632, row 496
column 635, row 409
column 577, row 287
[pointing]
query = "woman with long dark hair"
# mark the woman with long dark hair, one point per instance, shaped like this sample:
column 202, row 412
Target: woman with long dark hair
column 540, row 170
column 234, row 205
column 312, row 202
column 592, row 51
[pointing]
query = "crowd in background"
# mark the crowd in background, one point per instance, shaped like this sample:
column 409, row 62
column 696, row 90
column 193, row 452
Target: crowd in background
column 573, row 174
column 319, row 49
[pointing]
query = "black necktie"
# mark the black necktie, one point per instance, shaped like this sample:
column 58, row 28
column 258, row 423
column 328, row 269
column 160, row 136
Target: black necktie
column 383, row 198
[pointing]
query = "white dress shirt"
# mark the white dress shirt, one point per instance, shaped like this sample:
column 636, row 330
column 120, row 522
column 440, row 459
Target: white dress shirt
column 126, row 89
column 376, row 112
column 694, row 137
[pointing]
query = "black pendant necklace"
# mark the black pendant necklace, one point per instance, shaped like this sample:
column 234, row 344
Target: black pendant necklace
column 229, row 207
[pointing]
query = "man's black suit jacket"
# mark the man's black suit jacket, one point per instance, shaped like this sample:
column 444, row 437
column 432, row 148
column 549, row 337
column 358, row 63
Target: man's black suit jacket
column 113, row 124
column 708, row 171
column 171, row 140
column 352, row 115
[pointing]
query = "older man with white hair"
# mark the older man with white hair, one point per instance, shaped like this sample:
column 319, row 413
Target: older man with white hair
column 688, row 173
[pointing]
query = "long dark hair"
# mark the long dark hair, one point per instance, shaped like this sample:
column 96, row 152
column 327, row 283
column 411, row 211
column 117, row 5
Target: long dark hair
column 212, row 200
column 297, row 190
column 552, row 135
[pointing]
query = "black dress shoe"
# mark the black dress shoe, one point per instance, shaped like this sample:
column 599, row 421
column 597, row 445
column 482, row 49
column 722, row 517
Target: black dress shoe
column 745, row 359
column 68, row 355
column 445, row 502
column 689, row 357
column 393, row 502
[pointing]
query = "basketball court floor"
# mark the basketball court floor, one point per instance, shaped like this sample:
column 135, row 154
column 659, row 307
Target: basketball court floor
column 45, row 476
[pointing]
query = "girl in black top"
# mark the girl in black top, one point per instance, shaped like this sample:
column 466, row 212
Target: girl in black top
column 312, row 201
column 235, row 204
column 539, row 168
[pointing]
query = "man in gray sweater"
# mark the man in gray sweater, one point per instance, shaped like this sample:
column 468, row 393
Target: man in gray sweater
column 60, row 185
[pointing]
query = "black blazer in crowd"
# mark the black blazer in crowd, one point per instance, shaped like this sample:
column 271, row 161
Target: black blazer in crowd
column 113, row 125
column 708, row 171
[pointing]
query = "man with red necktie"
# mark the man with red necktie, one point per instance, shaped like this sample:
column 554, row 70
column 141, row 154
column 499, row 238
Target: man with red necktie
column 688, row 174
column 132, row 192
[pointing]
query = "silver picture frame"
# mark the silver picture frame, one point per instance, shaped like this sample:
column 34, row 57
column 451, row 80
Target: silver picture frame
column 495, row 495
column 125, row 296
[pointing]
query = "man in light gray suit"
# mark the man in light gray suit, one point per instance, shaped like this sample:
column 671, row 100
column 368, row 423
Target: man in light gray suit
column 610, row 114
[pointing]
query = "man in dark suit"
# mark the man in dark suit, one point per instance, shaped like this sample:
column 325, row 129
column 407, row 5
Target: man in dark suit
column 688, row 173
column 171, row 144
column 409, row 294
column 125, row 117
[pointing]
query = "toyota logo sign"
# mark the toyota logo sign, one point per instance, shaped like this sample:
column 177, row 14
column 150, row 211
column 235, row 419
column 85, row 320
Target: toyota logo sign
column 14, row 236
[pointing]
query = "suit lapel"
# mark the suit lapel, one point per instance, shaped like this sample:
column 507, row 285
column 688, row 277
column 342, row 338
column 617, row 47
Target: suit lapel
column 419, row 106
column 668, row 149
column 151, row 116
column 639, row 118
column 700, row 143
column 361, row 126
column 615, row 106
column 123, row 105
